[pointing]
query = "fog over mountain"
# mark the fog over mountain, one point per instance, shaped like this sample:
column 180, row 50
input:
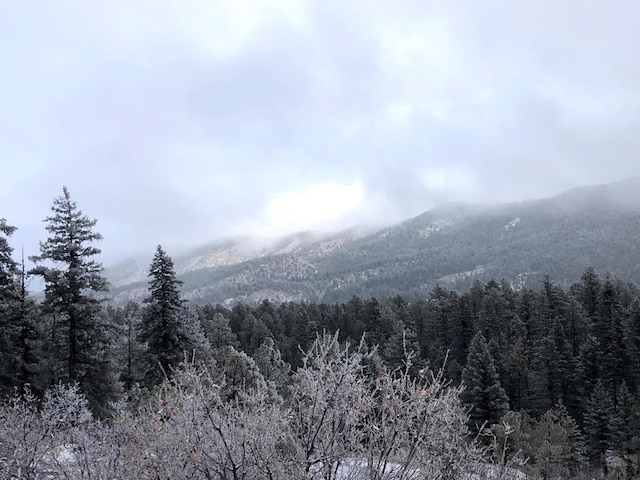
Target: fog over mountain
column 452, row 245
column 183, row 123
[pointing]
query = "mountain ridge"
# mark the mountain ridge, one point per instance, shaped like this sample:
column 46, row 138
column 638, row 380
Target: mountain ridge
column 453, row 245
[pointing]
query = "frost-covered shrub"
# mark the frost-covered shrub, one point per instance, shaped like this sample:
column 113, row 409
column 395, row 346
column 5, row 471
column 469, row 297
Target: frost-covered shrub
column 226, row 421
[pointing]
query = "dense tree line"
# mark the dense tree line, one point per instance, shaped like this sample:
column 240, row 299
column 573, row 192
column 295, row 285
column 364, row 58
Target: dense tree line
column 550, row 376
column 544, row 353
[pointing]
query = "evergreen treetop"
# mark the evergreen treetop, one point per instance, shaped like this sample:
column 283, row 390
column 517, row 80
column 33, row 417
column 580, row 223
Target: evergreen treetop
column 163, row 327
column 483, row 391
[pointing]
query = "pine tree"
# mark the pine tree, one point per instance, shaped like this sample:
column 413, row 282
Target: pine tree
column 353, row 324
column 30, row 337
column 236, row 372
column 625, row 423
column 375, row 324
column 438, row 325
column 588, row 292
column 19, row 347
column 497, row 310
column 557, row 444
column 131, row 351
column 598, row 421
column 608, row 329
column 271, row 319
column 589, row 368
column 303, row 332
column 269, row 361
column 632, row 343
column 517, row 381
column 216, row 328
column 9, row 307
column 258, row 331
column 8, row 266
column 400, row 343
column 163, row 327
column 73, row 279
column 483, row 391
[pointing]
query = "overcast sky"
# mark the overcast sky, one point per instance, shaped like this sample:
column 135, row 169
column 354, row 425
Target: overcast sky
column 178, row 122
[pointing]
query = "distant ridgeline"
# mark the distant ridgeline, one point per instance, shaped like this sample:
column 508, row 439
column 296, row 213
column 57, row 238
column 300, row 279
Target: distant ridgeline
column 452, row 246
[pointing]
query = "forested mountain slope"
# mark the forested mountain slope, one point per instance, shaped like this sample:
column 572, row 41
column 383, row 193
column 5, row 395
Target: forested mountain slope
column 453, row 245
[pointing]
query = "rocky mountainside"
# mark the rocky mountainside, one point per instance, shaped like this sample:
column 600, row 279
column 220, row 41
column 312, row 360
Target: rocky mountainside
column 453, row 245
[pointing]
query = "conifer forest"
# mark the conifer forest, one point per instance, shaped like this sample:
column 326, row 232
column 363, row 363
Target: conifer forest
column 493, row 382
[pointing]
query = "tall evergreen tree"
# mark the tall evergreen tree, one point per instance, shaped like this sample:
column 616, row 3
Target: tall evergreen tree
column 131, row 351
column 9, row 302
column 588, row 291
column 269, row 316
column 30, row 336
column 162, row 323
column 353, row 324
column 632, row 342
column 599, row 421
column 400, row 343
column 303, row 332
column 8, row 266
column 73, row 279
column 625, row 424
column 516, row 383
column 483, row 392
column 439, row 325
column 589, row 367
column 19, row 355
column 608, row 330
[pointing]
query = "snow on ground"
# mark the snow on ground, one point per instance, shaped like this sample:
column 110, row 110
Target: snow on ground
column 435, row 227
column 356, row 469
column 512, row 224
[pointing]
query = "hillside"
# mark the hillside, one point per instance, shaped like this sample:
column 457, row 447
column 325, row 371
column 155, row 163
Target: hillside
column 452, row 245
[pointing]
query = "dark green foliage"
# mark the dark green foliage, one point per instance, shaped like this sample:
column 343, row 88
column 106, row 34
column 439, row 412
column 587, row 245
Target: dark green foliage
column 599, row 421
column 216, row 328
column 79, row 349
column 10, row 353
column 8, row 266
column 589, row 292
column 483, row 392
column 399, row 345
column 163, row 327
column 516, row 377
column 130, row 349
column 631, row 337
column 302, row 332
column 440, row 326
column 541, row 349
column 557, row 444
column 625, row 423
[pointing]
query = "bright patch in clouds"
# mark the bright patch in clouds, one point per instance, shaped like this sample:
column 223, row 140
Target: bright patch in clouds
column 448, row 179
column 318, row 207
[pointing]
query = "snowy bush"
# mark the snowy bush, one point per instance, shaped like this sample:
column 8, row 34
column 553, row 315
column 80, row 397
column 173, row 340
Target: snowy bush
column 340, row 422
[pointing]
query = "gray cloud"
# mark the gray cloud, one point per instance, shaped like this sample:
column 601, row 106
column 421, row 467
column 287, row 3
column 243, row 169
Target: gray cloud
column 179, row 125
